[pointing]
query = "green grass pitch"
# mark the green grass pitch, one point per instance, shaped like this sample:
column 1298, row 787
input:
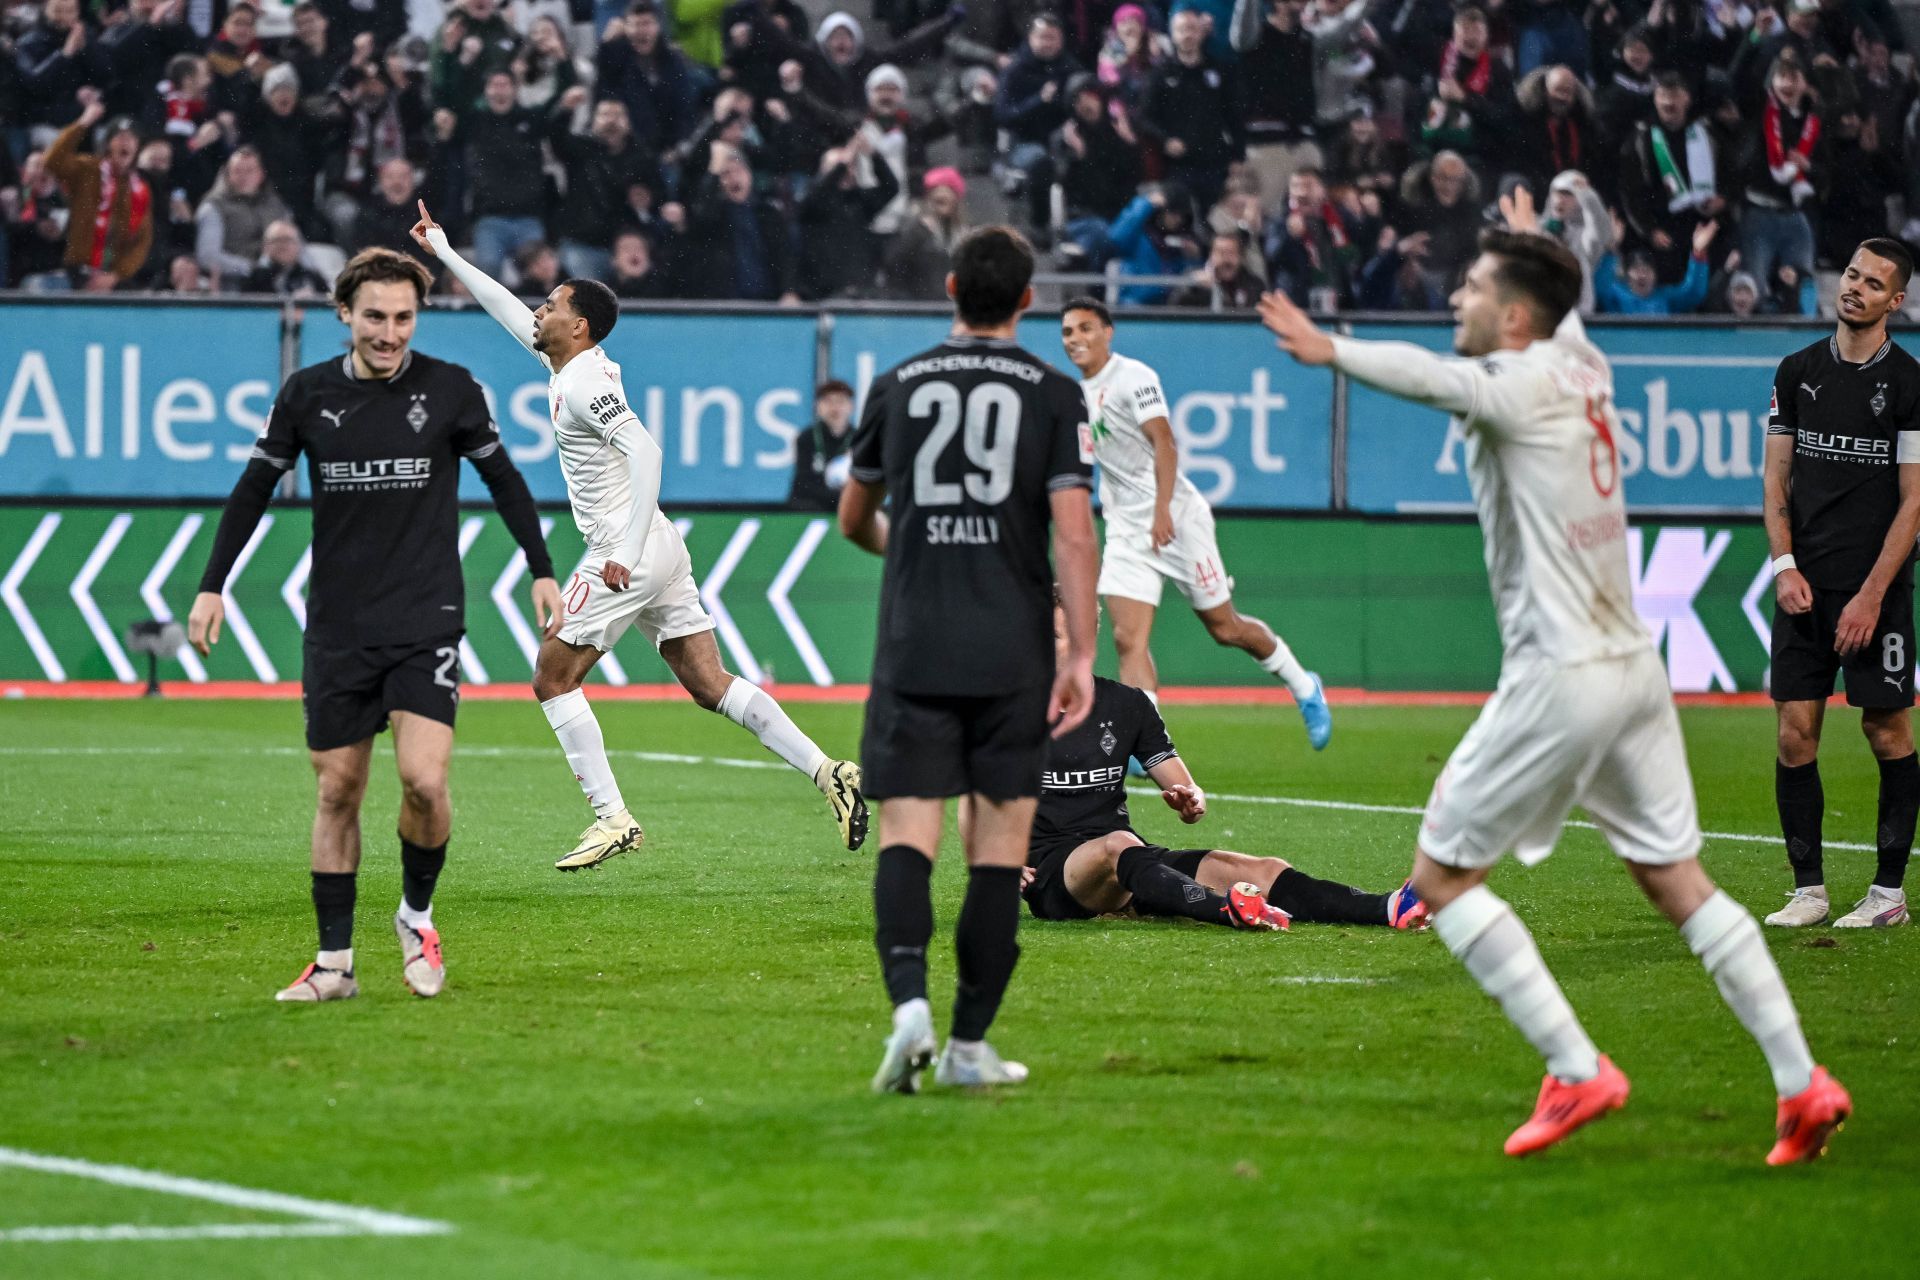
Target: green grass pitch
column 660, row 1070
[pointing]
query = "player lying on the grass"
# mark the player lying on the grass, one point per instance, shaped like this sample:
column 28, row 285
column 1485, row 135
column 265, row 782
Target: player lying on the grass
column 636, row 572
column 1084, row 858
column 1159, row 528
column 1583, row 714
column 384, row 430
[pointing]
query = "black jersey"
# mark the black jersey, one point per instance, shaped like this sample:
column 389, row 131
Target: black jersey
column 1083, row 788
column 1852, row 424
column 383, row 461
column 970, row 438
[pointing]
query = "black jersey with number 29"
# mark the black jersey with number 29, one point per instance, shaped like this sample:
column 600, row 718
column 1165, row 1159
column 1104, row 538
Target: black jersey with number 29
column 969, row 439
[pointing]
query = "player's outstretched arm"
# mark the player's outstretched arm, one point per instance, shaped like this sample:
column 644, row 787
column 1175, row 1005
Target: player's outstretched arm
column 1076, row 563
column 1397, row 368
column 493, row 297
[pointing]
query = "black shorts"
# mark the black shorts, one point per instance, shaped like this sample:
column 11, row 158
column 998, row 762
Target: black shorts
column 920, row 744
column 1047, row 897
column 347, row 693
column 1879, row 676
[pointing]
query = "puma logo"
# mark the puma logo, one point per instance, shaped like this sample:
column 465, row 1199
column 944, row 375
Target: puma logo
column 1898, row 682
column 1813, row 393
column 333, row 416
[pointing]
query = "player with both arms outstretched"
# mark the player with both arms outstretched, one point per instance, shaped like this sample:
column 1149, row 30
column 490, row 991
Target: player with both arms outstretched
column 636, row 572
column 1582, row 714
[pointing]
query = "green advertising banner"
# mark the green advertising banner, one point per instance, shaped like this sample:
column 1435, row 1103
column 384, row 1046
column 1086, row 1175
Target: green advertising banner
column 1381, row 605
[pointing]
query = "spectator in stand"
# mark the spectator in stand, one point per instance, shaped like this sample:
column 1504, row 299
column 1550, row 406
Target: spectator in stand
column 173, row 229
column 1669, row 176
column 1193, row 111
column 37, row 224
column 536, row 270
column 1886, row 91
column 179, row 103
column 1780, row 173
column 135, row 45
column 1627, row 97
column 56, row 58
column 1309, row 246
column 1130, row 54
column 697, row 28
column 900, row 138
column 506, row 186
column 1548, row 32
column 841, row 253
column 282, row 268
column 371, row 124
column 1578, row 218
column 1153, row 236
column 1798, row 33
column 387, row 215
column 1396, row 277
column 1276, row 91
column 235, row 59
column 1687, row 38
column 837, row 67
column 914, row 266
column 819, row 452
column 1097, row 155
column 1442, row 198
column 184, row 278
column 660, row 88
column 231, row 223
column 544, row 68
column 1866, row 175
column 289, row 139
column 738, row 241
column 1556, row 130
column 475, row 41
column 1224, row 283
column 1472, row 109
column 110, row 206
column 1362, row 156
column 316, row 56
column 1030, row 105
column 1343, row 45
column 1742, row 296
column 602, row 165
column 1642, row 294
column 633, row 275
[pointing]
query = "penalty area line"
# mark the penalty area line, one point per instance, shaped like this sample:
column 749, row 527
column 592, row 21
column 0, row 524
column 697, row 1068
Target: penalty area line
column 323, row 1217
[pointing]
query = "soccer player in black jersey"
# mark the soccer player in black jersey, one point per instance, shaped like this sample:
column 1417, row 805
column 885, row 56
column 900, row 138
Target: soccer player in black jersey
column 1086, row 860
column 384, row 429
column 981, row 445
column 1842, row 509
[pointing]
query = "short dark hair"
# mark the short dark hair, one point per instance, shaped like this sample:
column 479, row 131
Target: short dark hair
column 1893, row 251
column 1046, row 18
column 1539, row 269
column 832, row 387
column 1094, row 305
column 594, row 303
column 992, row 267
column 1672, row 80
column 380, row 266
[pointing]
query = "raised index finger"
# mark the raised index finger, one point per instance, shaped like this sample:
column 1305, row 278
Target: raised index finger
column 424, row 215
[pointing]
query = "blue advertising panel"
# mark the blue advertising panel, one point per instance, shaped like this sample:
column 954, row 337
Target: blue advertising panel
column 723, row 394
column 1254, row 429
column 123, row 400
column 1692, row 402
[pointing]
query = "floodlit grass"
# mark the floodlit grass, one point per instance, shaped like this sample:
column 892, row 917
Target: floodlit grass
column 660, row 1069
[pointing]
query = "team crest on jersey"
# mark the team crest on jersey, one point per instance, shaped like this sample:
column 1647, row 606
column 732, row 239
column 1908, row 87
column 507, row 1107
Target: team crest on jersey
column 1107, row 741
column 1879, row 402
column 417, row 415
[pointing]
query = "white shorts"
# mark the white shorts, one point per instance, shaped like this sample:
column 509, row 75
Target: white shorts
column 663, row 600
column 1131, row 567
column 1603, row 735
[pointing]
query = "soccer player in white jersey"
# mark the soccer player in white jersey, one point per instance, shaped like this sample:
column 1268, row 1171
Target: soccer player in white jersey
column 636, row 572
column 1159, row 528
column 1582, row 714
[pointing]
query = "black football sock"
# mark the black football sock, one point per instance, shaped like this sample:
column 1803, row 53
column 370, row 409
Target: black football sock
column 1159, row 890
column 1803, row 805
column 985, row 939
column 1312, row 901
column 903, row 919
column 1899, row 802
column 419, row 871
column 333, row 893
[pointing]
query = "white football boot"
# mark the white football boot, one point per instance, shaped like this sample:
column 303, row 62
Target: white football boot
column 1880, row 909
column 976, row 1065
column 421, row 965
column 1804, row 907
column 910, row 1049
column 839, row 781
column 316, row 984
column 606, row 838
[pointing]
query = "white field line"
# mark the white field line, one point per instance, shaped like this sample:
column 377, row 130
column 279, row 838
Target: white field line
column 323, row 1217
column 733, row 762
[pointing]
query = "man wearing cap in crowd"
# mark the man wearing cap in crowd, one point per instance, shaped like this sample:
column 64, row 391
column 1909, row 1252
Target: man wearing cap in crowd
column 111, row 207
column 820, row 451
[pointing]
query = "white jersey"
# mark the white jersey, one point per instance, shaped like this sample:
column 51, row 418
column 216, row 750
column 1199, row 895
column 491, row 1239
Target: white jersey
column 1542, row 455
column 588, row 405
column 1120, row 398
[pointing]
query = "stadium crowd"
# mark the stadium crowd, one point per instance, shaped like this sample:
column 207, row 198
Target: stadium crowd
column 1695, row 154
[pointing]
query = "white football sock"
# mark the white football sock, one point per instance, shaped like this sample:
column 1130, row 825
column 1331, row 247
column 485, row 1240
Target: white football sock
column 1283, row 664
column 579, row 733
column 754, row 710
column 416, row 920
column 339, row 961
column 1723, row 934
column 1484, row 934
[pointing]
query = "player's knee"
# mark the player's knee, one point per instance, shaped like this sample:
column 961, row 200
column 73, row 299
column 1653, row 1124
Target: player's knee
column 547, row 685
column 423, row 792
column 1118, row 843
column 1225, row 631
column 1129, row 638
column 340, row 793
column 1799, row 744
column 1889, row 738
